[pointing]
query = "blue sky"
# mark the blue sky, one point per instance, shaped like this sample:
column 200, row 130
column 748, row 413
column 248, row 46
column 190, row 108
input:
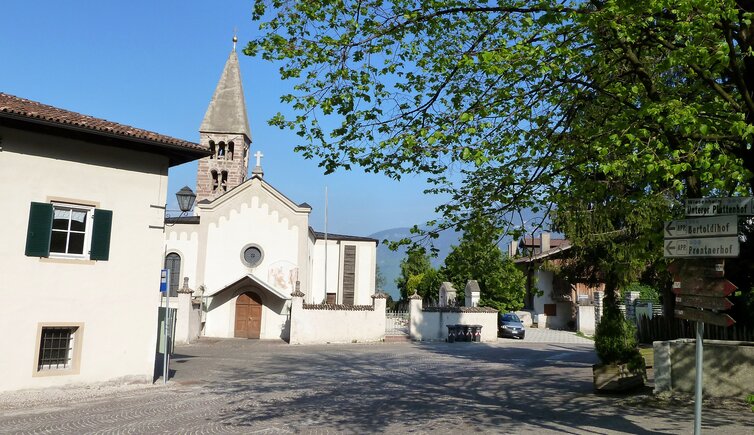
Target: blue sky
column 154, row 65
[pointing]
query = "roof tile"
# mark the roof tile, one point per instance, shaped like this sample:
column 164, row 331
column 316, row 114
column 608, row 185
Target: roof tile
column 23, row 108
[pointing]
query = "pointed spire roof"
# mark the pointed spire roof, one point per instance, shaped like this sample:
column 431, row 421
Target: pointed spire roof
column 227, row 110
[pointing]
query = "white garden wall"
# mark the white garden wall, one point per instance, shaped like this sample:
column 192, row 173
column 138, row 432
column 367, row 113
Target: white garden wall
column 431, row 324
column 318, row 324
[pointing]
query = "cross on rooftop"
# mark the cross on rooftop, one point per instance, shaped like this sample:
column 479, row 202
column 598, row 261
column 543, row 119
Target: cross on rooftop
column 259, row 156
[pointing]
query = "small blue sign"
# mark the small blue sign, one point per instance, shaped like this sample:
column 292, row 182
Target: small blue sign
column 164, row 279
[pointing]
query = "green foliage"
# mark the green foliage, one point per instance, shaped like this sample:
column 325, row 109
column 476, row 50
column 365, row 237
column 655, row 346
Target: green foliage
column 646, row 292
column 615, row 340
column 750, row 400
column 502, row 286
column 418, row 275
column 379, row 279
column 608, row 112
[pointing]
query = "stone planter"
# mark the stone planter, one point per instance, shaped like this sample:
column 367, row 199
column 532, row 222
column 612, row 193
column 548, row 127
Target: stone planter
column 616, row 377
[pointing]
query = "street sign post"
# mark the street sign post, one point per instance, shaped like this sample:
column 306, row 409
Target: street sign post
column 697, row 286
column 164, row 285
column 712, row 268
column 702, row 227
column 703, row 316
column 741, row 205
column 712, row 247
column 707, row 302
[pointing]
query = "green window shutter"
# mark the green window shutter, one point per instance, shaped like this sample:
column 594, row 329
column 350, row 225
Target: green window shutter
column 39, row 230
column 103, row 221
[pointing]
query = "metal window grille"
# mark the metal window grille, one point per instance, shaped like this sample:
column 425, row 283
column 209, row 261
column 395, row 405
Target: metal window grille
column 55, row 348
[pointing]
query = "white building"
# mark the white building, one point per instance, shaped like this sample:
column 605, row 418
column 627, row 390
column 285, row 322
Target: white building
column 248, row 244
column 83, row 209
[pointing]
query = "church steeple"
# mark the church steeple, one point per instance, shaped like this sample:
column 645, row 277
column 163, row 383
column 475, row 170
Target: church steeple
column 225, row 131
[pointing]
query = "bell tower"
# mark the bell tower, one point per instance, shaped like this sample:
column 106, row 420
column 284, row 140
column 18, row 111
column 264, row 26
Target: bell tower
column 225, row 132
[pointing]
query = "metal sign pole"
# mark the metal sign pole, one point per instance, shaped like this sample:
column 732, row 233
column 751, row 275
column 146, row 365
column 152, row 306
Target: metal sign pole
column 165, row 289
column 166, row 362
column 698, row 386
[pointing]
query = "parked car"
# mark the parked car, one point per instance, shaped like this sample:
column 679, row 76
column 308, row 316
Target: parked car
column 511, row 326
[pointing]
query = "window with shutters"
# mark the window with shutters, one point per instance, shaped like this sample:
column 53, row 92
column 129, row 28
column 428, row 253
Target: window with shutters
column 71, row 230
column 349, row 274
column 68, row 231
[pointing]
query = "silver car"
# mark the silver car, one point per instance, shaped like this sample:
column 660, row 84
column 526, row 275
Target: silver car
column 511, row 326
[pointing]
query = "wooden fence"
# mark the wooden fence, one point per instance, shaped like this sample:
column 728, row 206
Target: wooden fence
column 661, row 328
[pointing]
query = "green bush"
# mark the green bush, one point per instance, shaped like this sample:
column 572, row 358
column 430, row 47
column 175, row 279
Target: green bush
column 645, row 292
column 615, row 340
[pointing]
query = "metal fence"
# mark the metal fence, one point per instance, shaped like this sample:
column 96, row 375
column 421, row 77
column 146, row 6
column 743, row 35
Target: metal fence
column 396, row 322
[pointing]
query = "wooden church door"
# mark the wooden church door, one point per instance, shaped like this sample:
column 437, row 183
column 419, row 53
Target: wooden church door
column 248, row 316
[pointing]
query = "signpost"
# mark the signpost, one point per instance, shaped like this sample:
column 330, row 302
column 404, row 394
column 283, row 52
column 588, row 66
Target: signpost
column 719, row 206
column 702, row 227
column 164, row 285
column 710, row 303
column 712, row 247
column 703, row 268
column 698, row 281
column 703, row 316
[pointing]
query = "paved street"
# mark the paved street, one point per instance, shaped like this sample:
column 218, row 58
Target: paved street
column 248, row 386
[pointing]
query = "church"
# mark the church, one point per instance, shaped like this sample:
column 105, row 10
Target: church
column 247, row 246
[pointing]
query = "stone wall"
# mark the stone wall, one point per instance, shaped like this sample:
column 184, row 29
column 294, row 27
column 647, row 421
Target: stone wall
column 431, row 324
column 728, row 367
column 323, row 323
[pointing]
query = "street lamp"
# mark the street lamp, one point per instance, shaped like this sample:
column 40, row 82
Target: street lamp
column 186, row 198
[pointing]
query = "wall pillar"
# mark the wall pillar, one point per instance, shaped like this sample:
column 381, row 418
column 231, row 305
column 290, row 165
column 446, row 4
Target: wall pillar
column 472, row 293
column 183, row 314
column 631, row 298
column 598, row 303
column 379, row 303
column 447, row 295
column 297, row 308
column 414, row 314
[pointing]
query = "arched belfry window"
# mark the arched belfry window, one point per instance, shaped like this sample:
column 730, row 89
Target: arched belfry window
column 214, row 180
column 212, row 149
column 230, row 150
column 224, row 181
column 173, row 264
column 221, row 150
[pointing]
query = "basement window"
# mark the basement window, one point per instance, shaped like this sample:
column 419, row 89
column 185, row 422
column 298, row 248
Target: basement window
column 59, row 349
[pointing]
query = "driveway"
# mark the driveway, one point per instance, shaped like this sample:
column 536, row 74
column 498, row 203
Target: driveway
column 246, row 386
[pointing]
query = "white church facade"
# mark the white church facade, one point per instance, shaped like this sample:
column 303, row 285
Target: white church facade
column 248, row 247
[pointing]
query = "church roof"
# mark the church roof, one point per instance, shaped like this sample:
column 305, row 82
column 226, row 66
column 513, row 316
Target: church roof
column 245, row 280
column 227, row 109
column 31, row 115
column 330, row 236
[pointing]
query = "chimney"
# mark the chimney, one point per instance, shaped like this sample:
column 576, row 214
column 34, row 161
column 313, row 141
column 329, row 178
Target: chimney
column 544, row 242
column 513, row 248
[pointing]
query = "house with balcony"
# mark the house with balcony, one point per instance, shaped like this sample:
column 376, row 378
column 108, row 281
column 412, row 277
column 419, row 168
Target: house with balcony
column 550, row 299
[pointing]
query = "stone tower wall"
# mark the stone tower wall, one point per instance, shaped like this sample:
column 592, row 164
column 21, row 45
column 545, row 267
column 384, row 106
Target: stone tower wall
column 236, row 165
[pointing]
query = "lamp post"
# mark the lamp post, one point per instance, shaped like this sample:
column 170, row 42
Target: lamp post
column 186, row 198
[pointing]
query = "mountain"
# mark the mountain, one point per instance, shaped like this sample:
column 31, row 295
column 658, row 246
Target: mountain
column 389, row 262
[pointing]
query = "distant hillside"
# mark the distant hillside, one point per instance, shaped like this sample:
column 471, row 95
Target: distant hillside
column 389, row 262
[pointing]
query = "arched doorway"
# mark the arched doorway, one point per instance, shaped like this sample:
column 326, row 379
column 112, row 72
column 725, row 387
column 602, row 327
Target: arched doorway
column 248, row 315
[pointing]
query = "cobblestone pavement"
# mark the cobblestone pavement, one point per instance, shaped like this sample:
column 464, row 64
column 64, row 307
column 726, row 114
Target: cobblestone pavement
column 248, row 386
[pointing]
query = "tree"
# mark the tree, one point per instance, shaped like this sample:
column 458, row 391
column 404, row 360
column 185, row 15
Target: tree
column 417, row 275
column 478, row 257
column 541, row 105
column 379, row 279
